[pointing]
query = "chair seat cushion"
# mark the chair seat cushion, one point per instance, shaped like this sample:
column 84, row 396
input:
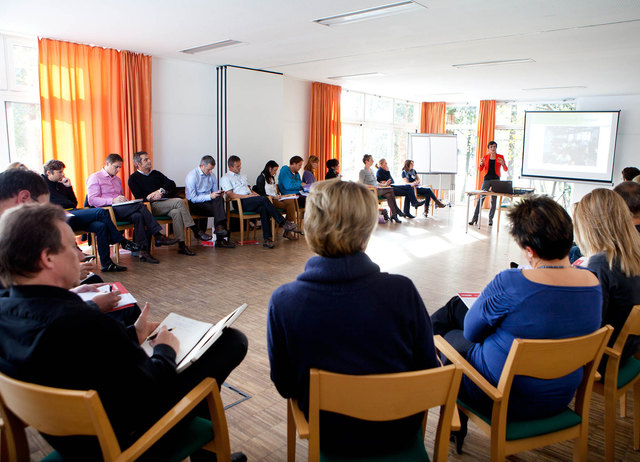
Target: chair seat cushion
column 529, row 428
column 175, row 446
column 628, row 371
column 161, row 217
column 123, row 223
column 415, row 452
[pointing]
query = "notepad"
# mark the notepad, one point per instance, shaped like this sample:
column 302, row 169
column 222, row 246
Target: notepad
column 195, row 337
column 468, row 298
column 126, row 299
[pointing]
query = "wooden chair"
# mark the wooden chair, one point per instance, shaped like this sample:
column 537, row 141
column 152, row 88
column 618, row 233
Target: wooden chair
column 62, row 412
column 544, row 359
column 378, row 397
column 244, row 217
column 618, row 379
column 121, row 226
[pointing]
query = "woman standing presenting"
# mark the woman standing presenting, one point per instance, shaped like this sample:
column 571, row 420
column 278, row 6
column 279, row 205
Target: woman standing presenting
column 490, row 168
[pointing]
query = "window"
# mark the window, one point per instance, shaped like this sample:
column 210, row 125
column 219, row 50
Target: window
column 462, row 120
column 509, row 136
column 375, row 125
column 20, row 122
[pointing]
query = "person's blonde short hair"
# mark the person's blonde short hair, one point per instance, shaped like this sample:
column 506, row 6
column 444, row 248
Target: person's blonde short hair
column 636, row 179
column 339, row 218
column 19, row 165
column 602, row 223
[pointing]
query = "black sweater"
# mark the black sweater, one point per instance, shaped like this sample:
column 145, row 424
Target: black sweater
column 60, row 194
column 143, row 185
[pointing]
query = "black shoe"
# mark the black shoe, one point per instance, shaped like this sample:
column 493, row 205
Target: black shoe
column 408, row 215
column 419, row 204
column 199, row 234
column 395, row 218
column 402, row 214
column 268, row 243
column 184, row 250
column 225, row 243
column 490, row 222
column 112, row 268
column 145, row 257
column 460, row 435
column 385, row 214
column 221, row 233
column 161, row 239
column 473, row 222
column 238, row 457
column 131, row 246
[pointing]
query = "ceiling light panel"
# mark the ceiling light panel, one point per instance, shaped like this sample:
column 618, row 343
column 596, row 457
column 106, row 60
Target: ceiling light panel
column 211, row 46
column 370, row 13
column 494, row 63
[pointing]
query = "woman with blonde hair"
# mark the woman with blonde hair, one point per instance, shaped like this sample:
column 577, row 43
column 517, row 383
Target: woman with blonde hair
column 308, row 177
column 368, row 178
column 334, row 315
column 605, row 233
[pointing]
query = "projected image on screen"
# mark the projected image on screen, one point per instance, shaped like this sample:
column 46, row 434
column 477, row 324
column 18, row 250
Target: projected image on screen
column 572, row 145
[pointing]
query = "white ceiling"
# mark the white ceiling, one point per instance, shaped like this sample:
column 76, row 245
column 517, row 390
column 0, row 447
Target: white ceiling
column 575, row 43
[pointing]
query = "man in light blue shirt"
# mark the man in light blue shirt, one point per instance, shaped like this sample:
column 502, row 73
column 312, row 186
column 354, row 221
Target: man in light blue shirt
column 237, row 187
column 205, row 198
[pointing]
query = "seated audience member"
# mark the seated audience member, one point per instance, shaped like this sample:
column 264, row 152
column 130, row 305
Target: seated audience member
column 383, row 189
column 49, row 336
column 266, row 186
column 332, row 169
column 289, row 180
column 151, row 185
column 334, row 315
column 636, row 179
column 20, row 186
column 525, row 303
column 410, row 176
column 629, row 173
column 384, row 175
column 206, row 198
column 308, row 177
column 92, row 220
column 237, row 187
column 630, row 193
column 20, row 165
column 105, row 188
column 606, row 235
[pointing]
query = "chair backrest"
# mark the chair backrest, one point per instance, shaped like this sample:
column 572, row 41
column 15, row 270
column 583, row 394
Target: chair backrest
column 631, row 327
column 382, row 397
column 54, row 411
column 550, row 359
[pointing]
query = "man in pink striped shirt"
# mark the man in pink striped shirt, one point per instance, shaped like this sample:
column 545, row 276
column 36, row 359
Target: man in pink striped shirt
column 105, row 188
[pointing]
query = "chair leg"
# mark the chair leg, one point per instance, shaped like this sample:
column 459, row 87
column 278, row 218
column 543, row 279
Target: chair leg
column 609, row 427
column 291, row 435
column 242, row 225
column 623, row 405
column 636, row 415
column 116, row 248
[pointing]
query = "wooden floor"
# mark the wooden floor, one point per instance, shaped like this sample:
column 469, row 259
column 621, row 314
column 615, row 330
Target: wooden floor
column 435, row 253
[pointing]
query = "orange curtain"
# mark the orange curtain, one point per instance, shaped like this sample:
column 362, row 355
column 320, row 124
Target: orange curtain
column 325, row 139
column 432, row 117
column 94, row 101
column 486, row 133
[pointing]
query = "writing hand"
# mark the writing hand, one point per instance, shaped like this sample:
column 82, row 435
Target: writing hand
column 118, row 199
column 86, row 288
column 107, row 302
column 143, row 326
column 166, row 338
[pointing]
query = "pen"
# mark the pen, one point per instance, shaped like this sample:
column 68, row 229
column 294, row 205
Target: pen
column 153, row 337
column 110, row 288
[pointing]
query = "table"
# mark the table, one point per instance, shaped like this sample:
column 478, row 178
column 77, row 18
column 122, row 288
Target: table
column 481, row 194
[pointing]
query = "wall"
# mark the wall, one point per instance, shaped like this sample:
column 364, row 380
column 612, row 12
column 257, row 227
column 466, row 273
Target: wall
column 296, row 107
column 184, row 115
column 628, row 141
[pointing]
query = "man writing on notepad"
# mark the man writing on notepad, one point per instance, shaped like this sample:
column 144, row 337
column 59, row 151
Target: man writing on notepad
column 49, row 336
column 105, row 188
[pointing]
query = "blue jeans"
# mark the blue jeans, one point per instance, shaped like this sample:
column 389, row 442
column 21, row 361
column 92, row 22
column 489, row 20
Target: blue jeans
column 97, row 221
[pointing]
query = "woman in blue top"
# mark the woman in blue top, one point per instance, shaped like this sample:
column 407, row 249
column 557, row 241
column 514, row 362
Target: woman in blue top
column 551, row 300
column 410, row 177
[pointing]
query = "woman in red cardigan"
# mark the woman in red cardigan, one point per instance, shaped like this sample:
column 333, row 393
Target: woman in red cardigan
column 490, row 168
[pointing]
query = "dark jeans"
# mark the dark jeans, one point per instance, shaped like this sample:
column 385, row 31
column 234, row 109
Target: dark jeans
column 265, row 208
column 144, row 225
column 97, row 221
column 213, row 208
column 406, row 191
column 448, row 321
column 494, row 199
column 428, row 195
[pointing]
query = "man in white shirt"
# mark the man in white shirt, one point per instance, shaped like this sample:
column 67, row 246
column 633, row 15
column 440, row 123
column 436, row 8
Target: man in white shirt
column 237, row 187
column 205, row 198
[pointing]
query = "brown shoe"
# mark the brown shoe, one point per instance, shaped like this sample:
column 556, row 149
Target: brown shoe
column 145, row 257
column 225, row 243
column 161, row 239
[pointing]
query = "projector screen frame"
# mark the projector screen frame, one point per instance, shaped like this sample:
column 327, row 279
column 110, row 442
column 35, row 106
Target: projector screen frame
column 570, row 179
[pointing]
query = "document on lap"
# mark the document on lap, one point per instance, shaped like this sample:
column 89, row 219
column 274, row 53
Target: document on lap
column 195, row 337
column 127, row 202
column 468, row 298
column 126, row 299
